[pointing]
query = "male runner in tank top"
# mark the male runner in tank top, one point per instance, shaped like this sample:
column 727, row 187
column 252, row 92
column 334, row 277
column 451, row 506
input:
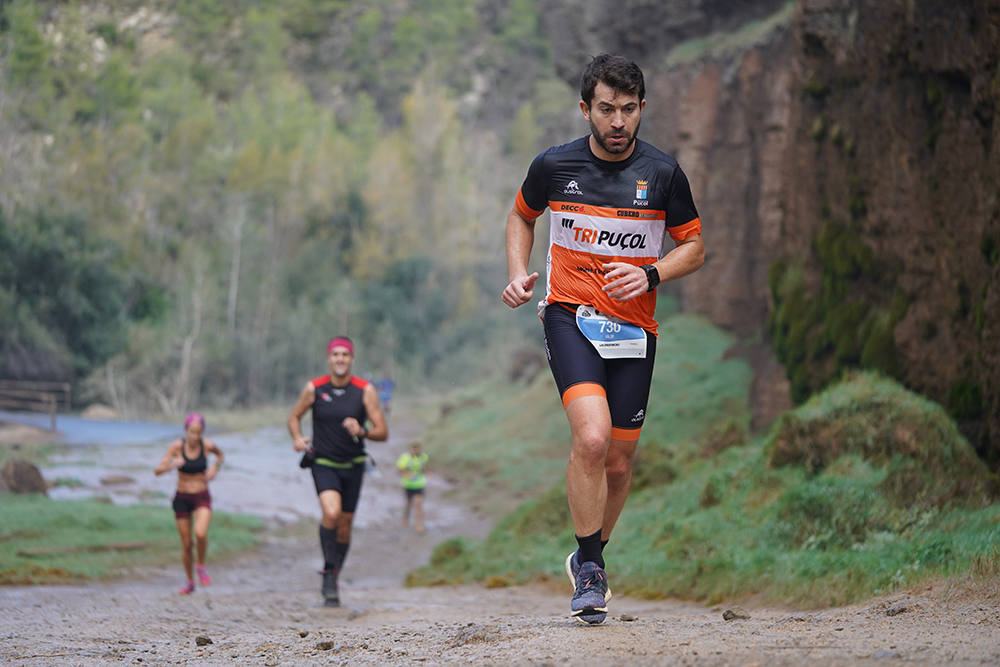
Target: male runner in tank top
column 612, row 200
column 341, row 405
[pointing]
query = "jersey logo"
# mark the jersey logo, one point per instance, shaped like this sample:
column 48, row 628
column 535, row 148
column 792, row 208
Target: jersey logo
column 572, row 188
column 326, row 397
column 603, row 237
column 640, row 189
column 339, row 392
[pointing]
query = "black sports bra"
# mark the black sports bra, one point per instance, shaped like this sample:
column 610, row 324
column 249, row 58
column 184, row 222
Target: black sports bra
column 195, row 465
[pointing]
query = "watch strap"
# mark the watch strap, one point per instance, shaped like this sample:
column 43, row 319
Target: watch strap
column 652, row 276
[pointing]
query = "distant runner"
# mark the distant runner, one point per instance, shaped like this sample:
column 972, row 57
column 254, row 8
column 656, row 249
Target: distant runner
column 385, row 387
column 412, row 466
column 341, row 405
column 189, row 457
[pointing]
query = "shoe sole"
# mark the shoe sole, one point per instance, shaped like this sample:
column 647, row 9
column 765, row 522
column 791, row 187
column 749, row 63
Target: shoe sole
column 331, row 602
column 572, row 579
column 591, row 619
column 591, row 615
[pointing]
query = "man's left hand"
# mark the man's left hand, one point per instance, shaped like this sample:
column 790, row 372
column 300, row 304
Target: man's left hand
column 625, row 281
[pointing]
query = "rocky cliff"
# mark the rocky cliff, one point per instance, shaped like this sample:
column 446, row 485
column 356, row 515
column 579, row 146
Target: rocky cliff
column 843, row 155
column 893, row 204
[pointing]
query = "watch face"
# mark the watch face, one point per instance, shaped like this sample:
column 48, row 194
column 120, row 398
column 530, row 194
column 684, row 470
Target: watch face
column 653, row 276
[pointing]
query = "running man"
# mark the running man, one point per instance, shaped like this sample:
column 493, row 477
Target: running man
column 342, row 405
column 412, row 466
column 385, row 387
column 189, row 457
column 612, row 200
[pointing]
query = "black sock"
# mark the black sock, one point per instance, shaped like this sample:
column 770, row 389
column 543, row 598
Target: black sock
column 328, row 542
column 590, row 549
column 340, row 554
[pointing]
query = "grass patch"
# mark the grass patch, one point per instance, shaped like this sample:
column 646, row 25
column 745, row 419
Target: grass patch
column 863, row 490
column 45, row 541
column 925, row 458
column 502, row 444
column 38, row 454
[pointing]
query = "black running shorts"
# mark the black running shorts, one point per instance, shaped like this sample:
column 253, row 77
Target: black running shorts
column 345, row 481
column 580, row 371
column 185, row 503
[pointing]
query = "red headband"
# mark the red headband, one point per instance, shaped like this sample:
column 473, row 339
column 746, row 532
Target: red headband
column 340, row 342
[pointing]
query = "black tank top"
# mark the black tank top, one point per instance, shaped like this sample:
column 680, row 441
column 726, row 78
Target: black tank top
column 197, row 464
column 330, row 439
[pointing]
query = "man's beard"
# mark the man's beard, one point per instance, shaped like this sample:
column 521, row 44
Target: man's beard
column 614, row 149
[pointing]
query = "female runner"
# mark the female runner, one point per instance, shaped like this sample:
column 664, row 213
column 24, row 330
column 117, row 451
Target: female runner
column 189, row 456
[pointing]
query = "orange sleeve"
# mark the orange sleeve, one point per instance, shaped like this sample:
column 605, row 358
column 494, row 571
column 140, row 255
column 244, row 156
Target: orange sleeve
column 682, row 232
column 522, row 207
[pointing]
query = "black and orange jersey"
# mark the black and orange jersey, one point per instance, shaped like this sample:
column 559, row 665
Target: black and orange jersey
column 329, row 409
column 604, row 212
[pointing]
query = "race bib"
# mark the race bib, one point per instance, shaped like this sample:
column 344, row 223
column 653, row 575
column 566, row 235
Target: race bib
column 610, row 336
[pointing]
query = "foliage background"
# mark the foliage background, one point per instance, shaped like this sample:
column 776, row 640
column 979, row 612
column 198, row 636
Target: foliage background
column 195, row 196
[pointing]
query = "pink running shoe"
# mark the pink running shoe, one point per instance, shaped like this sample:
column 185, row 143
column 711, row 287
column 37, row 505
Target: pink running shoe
column 188, row 588
column 203, row 577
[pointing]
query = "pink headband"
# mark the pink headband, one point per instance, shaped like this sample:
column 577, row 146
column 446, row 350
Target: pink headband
column 340, row 342
column 194, row 417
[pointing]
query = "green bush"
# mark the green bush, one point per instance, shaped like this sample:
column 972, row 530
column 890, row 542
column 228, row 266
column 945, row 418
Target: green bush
column 873, row 417
column 827, row 513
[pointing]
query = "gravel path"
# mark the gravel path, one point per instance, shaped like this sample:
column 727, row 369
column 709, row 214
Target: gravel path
column 264, row 608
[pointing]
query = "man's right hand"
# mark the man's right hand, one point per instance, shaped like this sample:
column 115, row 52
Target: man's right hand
column 519, row 290
column 300, row 444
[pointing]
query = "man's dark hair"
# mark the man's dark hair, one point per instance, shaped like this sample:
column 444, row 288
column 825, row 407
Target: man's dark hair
column 618, row 72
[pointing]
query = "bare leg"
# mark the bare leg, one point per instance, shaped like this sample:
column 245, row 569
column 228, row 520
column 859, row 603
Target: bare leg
column 418, row 512
column 618, row 469
column 406, row 509
column 329, row 503
column 344, row 524
column 586, row 478
column 184, row 528
column 335, row 517
column 202, row 518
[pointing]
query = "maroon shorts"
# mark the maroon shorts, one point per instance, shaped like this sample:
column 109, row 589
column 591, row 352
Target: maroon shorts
column 185, row 503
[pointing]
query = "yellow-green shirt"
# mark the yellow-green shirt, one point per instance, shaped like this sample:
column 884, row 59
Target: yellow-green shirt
column 415, row 464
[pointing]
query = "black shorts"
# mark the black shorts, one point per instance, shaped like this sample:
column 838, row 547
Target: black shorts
column 577, row 368
column 185, row 503
column 345, row 481
column 413, row 492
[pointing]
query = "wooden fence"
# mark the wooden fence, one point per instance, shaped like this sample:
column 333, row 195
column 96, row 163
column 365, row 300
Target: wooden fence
column 35, row 396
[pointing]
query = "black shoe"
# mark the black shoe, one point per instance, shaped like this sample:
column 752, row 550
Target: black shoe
column 331, row 594
column 573, row 567
column 590, row 599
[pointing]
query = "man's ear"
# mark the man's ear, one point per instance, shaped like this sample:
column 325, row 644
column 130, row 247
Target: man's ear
column 585, row 110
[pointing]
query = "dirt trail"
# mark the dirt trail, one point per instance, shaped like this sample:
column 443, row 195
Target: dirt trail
column 264, row 608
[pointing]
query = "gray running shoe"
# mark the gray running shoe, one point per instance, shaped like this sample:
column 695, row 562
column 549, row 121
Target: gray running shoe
column 573, row 566
column 588, row 604
column 331, row 595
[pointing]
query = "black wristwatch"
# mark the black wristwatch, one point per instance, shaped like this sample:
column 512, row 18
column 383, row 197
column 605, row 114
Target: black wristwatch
column 652, row 275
